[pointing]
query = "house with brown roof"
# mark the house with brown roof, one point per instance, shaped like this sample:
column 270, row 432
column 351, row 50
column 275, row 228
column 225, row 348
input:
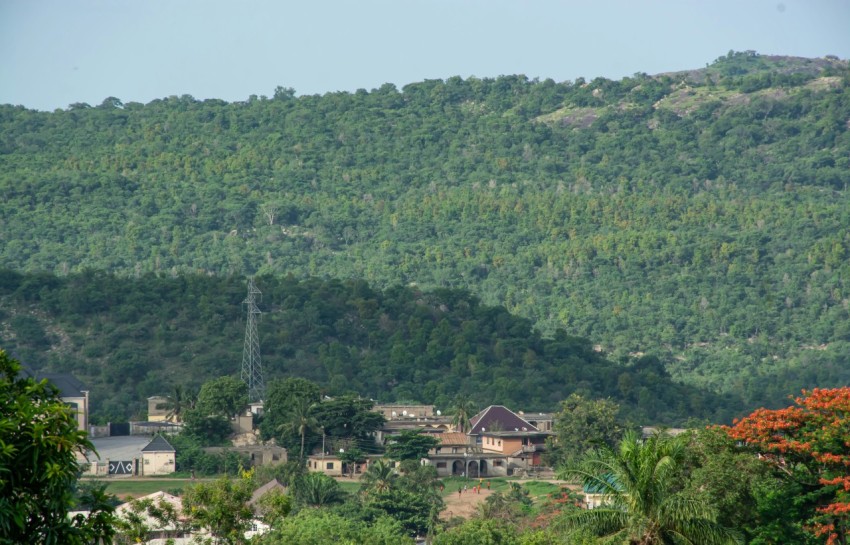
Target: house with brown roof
column 499, row 443
column 499, row 430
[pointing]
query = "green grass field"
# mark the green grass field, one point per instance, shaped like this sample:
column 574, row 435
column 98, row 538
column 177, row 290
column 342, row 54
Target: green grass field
column 124, row 488
column 134, row 488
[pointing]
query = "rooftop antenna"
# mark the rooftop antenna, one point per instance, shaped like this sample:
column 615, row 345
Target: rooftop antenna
column 252, row 369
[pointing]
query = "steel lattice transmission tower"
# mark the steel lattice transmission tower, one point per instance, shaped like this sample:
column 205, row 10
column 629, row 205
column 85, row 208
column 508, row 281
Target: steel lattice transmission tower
column 252, row 369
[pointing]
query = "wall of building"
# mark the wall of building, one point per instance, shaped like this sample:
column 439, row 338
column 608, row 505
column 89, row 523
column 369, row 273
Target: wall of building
column 504, row 445
column 328, row 466
column 80, row 407
column 394, row 412
column 157, row 463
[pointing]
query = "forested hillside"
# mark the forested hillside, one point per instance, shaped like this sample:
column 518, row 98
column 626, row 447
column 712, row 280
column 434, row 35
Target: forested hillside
column 133, row 338
column 701, row 216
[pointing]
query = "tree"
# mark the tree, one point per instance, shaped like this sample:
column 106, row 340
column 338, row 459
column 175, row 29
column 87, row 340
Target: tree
column 351, row 457
column 743, row 489
column 480, row 532
column 38, row 467
column 299, row 420
column 379, row 476
column 274, row 506
column 178, row 403
column 462, row 410
column 410, row 445
column 220, row 507
column 581, row 425
column 320, row 527
column 808, row 443
column 162, row 515
column 224, row 396
column 281, row 397
column 317, row 490
column 643, row 504
column 416, row 512
column 206, row 429
column 347, row 417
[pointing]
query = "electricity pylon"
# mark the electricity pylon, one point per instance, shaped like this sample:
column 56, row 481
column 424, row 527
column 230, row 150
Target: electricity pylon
column 252, row 368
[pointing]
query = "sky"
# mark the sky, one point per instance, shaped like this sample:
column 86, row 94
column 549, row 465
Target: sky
column 57, row 52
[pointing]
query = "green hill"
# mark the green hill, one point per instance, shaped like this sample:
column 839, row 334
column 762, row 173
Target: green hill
column 701, row 216
column 133, row 338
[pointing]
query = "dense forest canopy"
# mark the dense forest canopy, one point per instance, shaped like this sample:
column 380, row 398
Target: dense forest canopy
column 700, row 216
column 133, row 338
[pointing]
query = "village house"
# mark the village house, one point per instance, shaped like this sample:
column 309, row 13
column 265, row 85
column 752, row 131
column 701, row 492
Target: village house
column 333, row 466
column 499, row 443
column 156, row 409
column 176, row 532
column 402, row 417
column 404, row 411
column 73, row 393
column 258, row 455
column 158, row 457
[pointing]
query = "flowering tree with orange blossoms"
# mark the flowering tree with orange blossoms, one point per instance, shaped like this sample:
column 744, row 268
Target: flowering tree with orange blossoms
column 809, row 442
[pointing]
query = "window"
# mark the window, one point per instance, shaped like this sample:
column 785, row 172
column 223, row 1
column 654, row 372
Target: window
column 497, row 463
column 330, row 465
column 441, row 465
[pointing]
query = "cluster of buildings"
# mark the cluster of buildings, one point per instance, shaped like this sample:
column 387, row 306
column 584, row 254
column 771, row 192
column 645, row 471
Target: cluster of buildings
column 499, row 442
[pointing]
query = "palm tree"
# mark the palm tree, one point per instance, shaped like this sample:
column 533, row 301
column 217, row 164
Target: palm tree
column 300, row 420
column 178, row 403
column 641, row 504
column 463, row 410
column 317, row 490
column 379, row 477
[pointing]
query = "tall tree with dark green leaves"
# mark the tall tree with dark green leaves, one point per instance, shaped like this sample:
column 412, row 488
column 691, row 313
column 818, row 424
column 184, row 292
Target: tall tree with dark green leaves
column 581, row 425
column 223, row 396
column 300, row 420
column 282, row 396
column 39, row 442
column 410, row 445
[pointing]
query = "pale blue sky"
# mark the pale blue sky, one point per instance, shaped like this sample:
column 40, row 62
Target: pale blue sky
column 56, row 52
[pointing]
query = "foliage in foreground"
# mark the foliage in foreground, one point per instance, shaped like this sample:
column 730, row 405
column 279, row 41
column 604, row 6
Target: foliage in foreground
column 809, row 443
column 639, row 482
column 39, row 441
column 320, row 527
